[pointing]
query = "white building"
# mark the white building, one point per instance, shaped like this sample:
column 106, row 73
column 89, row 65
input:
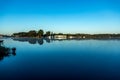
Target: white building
column 60, row 37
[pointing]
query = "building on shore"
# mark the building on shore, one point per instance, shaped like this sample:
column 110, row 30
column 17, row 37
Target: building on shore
column 60, row 36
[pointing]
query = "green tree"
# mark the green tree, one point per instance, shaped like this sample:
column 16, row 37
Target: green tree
column 32, row 33
column 48, row 33
column 40, row 33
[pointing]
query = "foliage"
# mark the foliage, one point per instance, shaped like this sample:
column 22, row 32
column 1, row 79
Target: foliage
column 48, row 33
column 32, row 33
column 40, row 33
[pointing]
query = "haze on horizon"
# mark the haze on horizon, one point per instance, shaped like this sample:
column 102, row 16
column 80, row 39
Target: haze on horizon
column 66, row 16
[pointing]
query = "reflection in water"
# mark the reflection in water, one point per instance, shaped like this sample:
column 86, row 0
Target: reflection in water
column 83, row 60
column 32, row 41
column 6, row 52
column 39, row 41
column 14, row 51
column 47, row 40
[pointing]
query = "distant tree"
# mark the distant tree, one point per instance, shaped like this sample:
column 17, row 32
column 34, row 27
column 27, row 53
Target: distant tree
column 32, row 33
column 40, row 33
column 21, row 34
column 60, row 33
column 48, row 33
column 14, row 34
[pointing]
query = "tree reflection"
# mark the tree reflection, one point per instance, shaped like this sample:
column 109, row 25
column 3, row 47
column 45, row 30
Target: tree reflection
column 6, row 52
column 32, row 41
column 40, row 41
column 47, row 40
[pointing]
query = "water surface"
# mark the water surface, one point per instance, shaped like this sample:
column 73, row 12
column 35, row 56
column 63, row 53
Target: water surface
column 61, row 60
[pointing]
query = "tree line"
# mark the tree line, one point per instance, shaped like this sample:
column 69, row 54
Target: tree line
column 32, row 33
column 40, row 33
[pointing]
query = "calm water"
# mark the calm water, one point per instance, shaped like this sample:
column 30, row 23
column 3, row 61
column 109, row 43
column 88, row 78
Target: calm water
column 61, row 60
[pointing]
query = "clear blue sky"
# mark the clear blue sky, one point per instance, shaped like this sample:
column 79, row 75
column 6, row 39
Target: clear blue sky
column 67, row 16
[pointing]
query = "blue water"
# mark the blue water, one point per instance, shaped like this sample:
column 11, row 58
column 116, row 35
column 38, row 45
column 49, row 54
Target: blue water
column 62, row 60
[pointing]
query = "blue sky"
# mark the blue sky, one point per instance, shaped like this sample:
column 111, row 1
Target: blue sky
column 67, row 16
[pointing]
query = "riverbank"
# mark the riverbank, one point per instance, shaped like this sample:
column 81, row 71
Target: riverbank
column 76, row 36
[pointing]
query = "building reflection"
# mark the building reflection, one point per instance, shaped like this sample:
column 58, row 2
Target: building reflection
column 5, row 51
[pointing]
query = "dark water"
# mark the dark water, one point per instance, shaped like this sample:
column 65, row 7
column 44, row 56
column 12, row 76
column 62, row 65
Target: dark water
column 61, row 60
